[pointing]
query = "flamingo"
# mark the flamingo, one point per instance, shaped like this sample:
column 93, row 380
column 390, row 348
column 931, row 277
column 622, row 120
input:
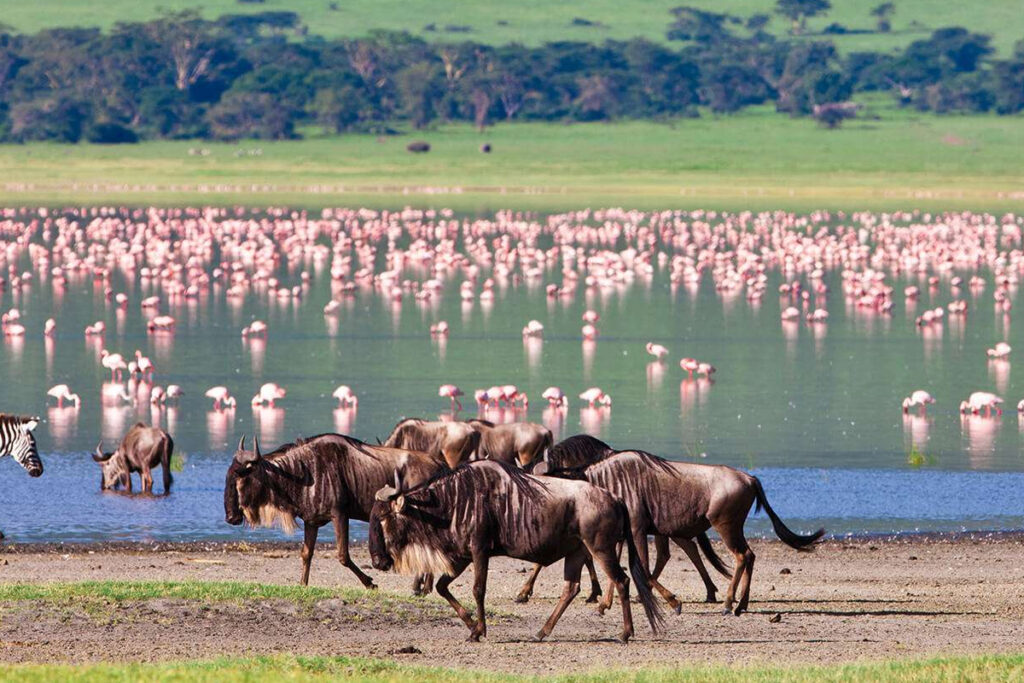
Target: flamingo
column 439, row 330
column 1000, row 350
column 690, row 365
column 556, row 397
column 174, row 392
column 791, row 313
column 590, row 316
column 1020, row 406
column 595, row 395
column 657, row 350
column 161, row 323
column 96, row 329
column 453, row 392
column 113, row 362
column 534, row 328
column 267, row 394
column 222, row 398
column 345, row 396
column 257, row 328
column 157, row 396
column 981, row 400
column 482, row 397
column 50, row 327
column 145, row 366
column 589, row 332
column 62, row 393
column 706, row 369
column 510, row 393
column 14, row 330
column 918, row 398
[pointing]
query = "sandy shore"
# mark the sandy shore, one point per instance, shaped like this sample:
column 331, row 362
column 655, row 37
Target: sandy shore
column 849, row 600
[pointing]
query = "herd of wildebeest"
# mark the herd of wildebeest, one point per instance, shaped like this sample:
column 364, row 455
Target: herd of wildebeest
column 441, row 496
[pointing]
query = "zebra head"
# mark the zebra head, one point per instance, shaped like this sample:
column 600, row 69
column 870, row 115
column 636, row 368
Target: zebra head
column 17, row 440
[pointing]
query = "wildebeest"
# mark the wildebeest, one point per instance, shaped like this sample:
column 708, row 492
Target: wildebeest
column 326, row 478
column 454, row 441
column 141, row 450
column 681, row 500
column 18, row 441
column 418, row 146
column 583, row 449
column 486, row 509
column 519, row 443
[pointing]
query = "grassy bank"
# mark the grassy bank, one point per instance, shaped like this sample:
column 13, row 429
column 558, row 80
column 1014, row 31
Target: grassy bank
column 989, row 668
column 533, row 22
column 757, row 159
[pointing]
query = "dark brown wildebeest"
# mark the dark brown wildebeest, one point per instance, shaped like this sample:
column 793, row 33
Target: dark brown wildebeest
column 681, row 500
column 518, row 443
column 454, row 441
column 325, row 478
column 142, row 450
column 486, row 509
column 583, row 449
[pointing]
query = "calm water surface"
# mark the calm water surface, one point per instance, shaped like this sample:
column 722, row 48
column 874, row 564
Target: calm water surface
column 815, row 412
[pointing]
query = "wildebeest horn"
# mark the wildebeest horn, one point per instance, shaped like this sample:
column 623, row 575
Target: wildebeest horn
column 99, row 456
column 256, row 446
column 378, row 441
column 400, row 480
column 241, row 443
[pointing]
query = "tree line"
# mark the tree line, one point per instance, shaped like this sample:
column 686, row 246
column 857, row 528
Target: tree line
column 261, row 76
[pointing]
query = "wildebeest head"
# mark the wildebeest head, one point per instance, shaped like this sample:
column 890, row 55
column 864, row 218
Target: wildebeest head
column 388, row 527
column 113, row 470
column 23, row 447
column 243, row 492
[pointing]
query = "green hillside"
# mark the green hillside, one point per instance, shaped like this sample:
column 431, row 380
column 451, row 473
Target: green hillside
column 537, row 21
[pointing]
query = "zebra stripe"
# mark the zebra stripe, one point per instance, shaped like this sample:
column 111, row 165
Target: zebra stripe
column 18, row 441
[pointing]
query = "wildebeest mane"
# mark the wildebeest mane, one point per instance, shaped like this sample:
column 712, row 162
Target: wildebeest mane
column 480, row 421
column 406, row 434
column 578, row 450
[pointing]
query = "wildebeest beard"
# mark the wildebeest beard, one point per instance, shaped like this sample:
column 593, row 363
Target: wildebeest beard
column 273, row 494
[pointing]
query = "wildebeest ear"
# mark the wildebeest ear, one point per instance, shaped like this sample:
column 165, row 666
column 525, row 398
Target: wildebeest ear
column 400, row 480
column 385, row 494
column 399, row 503
column 541, row 468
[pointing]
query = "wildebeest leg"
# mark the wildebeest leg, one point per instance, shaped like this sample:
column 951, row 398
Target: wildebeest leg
column 741, row 607
column 744, row 556
column 442, row 589
column 661, row 559
column 480, row 563
column 572, row 569
column 618, row 581
column 595, row 585
column 527, row 590
column 147, row 480
column 423, row 584
column 341, row 540
column 308, row 544
column 690, row 548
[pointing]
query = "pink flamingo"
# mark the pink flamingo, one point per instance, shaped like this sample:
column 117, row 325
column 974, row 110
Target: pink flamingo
column 595, row 395
column 1000, row 350
column 981, row 400
column 50, row 327
column 96, row 329
column 267, row 394
column 161, row 323
column 439, row 330
column 482, row 398
column 589, row 332
column 145, row 366
column 556, row 397
column 174, row 392
column 590, row 316
column 113, row 362
column 706, row 369
column 453, row 392
column 256, row 328
column 511, row 394
column 346, row 397
column 62, row 393
column 157, row 396
column 534, row 328
column 918, row 398
column 222, row 398
column 657, row 350
column 690, row 365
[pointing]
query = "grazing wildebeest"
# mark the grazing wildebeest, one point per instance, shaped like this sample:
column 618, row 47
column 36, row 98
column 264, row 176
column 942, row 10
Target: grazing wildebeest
column 678, row 499
column 325, row 478
column 18, row 441
column 455, row 441
column 520, row 443
column 583, row 449
column 486, row 509
column 142, row 450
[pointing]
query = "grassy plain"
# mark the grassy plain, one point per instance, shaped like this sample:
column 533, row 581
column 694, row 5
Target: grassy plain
column 981, row 668
column 533, row 22
column 751, row 160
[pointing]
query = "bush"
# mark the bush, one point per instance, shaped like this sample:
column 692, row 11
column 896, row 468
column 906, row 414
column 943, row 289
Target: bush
column 110, row 134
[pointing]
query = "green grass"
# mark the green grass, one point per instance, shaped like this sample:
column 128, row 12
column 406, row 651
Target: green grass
column 534, row 22
column 89, row 594
column 987, row 668
column 756, row 159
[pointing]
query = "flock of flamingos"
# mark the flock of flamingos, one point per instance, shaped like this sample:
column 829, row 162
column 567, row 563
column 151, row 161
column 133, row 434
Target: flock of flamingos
column 171, row 256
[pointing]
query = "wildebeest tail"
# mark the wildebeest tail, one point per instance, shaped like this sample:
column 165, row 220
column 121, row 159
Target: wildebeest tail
column 165, row 462
column 641, row 577
column 709, row 552
column 785, row 534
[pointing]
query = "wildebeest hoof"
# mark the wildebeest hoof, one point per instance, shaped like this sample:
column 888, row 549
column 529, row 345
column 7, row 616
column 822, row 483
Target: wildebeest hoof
column 711, row 599
column 473, row 638
column 521, row 598
column 624, row 638
column 539, row 637
column 371, row 586
column 727, row 611
column 678, row 607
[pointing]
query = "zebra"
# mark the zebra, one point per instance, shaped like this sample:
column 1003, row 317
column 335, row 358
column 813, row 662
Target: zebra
column 17, row 439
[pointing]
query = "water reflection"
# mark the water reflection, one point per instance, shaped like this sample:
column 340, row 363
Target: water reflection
column 980, row 433
column 916, row 427
column 594, row 419
column 220, row 427
column 269, row 423
column 63, row 426
column 345, row 420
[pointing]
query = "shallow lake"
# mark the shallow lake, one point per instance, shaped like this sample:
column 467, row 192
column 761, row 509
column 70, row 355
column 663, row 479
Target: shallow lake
column 812, row 410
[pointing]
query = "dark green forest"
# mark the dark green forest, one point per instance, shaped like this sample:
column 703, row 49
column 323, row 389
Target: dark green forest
column 261, row 76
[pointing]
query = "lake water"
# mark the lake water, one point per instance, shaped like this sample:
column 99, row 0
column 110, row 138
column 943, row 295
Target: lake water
column 813, row 411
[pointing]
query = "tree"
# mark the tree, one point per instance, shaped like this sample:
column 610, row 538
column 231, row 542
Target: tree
column 188, row 40
column 798, row 11
column 337, row 109
column 418, row 88
column 699, row 26
column 883, row 16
